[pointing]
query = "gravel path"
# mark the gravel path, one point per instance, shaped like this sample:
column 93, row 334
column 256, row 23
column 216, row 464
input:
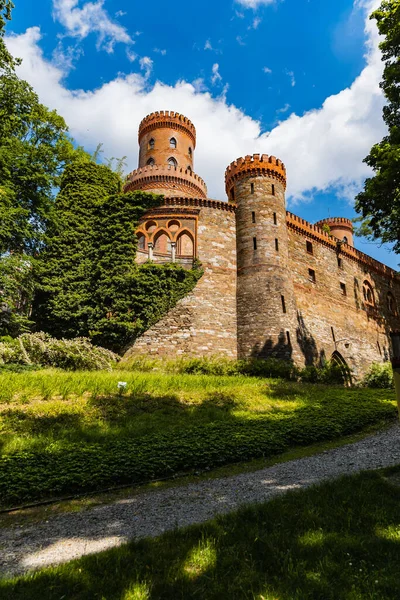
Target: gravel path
column 72, row 535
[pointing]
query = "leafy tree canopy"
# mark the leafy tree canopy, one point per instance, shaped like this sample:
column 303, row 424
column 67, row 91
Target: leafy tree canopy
column 379, row 202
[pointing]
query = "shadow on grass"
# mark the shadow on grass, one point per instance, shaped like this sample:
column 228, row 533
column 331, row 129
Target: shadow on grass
column 338, row 541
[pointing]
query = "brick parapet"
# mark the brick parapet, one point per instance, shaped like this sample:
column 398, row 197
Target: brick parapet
column 150, row 176
column 255, row 165
column 169, row 119
column 341, row 221
column 315, row 232
column 201, row 203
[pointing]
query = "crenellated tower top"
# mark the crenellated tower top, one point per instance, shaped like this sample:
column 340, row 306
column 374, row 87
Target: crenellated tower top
column 255, row 165
column 169, row 120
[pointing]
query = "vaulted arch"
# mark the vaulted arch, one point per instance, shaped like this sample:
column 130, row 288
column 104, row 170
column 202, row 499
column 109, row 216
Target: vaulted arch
column 185, row 244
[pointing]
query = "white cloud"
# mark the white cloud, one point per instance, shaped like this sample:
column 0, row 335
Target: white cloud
column 255, row 3
column 146, row 64
column 91, row 18
column 290, row 74
column 207, row 45
column 322, row 149
column 283, row 109
column 216, row 76
column 240, row 40
column 163, row 52
column 267, row 70
column 256, row 23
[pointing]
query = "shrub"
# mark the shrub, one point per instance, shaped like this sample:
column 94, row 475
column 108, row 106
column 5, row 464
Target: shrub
column 330, row 373
column 379, row 376
column 31, row 349
column 270, row 367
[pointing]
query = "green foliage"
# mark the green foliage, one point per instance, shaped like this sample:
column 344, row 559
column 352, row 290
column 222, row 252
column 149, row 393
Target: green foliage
column 379, row 202
column 82, row 433
column 326, row 228
column 6, row 60
column 39, row 349
column 17, row 288
column 379, row 376
column 335, row 541
column 330, row 373
column 90, row 284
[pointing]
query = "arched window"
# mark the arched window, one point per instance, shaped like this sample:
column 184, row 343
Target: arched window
column 151, row 162
column 391, row 304
column 162, row 244
column 368, row 293
column 152, row 143
column 172, row 162
column 141, row 242
column 185, row 246
column 173, row 143
column 346, row 241
column 190, row 152
column 189, row 169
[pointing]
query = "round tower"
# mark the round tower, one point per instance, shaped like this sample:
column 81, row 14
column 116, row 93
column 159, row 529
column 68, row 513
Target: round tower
column 167, row 141
column 340, row 228
column 266, row 309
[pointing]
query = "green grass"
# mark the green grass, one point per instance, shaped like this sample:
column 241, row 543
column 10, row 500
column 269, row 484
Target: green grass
column 63, row 433
column 338, row 541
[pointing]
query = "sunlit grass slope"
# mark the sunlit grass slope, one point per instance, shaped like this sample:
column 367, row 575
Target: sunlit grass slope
column 65, row 432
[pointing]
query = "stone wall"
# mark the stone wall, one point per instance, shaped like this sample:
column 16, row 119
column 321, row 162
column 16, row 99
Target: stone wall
column 203, row 323
column 332, row 314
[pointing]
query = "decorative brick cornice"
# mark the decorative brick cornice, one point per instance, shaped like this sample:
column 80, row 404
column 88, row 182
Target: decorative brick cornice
column 256, row 165
column 201, row 203
column 169, row 119
column 166, row 174
column 316, row 233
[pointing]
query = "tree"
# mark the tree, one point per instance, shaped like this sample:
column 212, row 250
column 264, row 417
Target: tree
column 379, row 202
column 6, row 60
column 16, row 294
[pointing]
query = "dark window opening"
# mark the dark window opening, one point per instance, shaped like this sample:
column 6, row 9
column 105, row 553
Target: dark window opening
column 277, row 245
column 346, row 241
column 343, row 288
column 273, row 189
column 339, row 262
column 253, row 217
column 333, row 334
column 275, row 219
column 283, row 304
column 309, row 248
column 255, row 243
column 379, row 348
column 172, row 162
column 288, row 338
column 152, row 143
column 311, row 275
column 173, row 143
column 151, row 162
column 252, row 188
column 233, row 195
column 190, row 152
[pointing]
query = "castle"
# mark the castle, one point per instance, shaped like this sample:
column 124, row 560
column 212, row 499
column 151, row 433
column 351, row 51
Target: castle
column 273, row 284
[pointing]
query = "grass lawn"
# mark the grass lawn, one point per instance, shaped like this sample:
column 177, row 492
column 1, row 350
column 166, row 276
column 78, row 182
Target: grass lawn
column 63, row 432
column 337, row 541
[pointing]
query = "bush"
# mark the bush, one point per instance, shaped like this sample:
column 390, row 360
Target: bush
column 270, row 367
column 31, row 349
column 379, row 376
column 330, row 374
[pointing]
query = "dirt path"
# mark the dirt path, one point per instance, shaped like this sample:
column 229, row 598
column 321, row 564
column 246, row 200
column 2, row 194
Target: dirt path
column 64, row 537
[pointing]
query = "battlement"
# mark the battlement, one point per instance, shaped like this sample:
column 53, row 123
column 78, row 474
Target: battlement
column 338, row 221
column 169, row 119
column 257, row 164
column 166, row 174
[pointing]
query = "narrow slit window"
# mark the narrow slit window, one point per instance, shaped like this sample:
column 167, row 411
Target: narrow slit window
column 339, row 262
column 255, row 243
column 309, row 248
column 233, row 195
column 275, row 219
column 253, row 217
column 343, row 289
column 379, row 348
column 311, row 275
column 277, row 245
column 273, row 189
column 333, row 334
column 252, row 188
column 283, row 304
column 288, row 338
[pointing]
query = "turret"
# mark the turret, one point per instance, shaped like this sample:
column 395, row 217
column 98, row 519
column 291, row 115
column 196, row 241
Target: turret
column 339, row 227
column 265, row 297
column 167, row 141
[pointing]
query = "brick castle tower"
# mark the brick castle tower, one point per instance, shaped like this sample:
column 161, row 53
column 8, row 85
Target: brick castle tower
column 265, row 297
column 167, row 141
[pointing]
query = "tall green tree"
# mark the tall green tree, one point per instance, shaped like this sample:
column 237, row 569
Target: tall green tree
column 379, row 202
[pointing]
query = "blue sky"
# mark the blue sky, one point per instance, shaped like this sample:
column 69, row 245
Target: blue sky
column 295, row 78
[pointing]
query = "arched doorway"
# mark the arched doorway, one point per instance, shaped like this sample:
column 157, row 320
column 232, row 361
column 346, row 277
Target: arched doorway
column 338, row 360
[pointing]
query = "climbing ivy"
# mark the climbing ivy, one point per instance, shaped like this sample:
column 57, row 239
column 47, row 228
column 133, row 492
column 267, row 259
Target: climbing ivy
column 90, row 284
